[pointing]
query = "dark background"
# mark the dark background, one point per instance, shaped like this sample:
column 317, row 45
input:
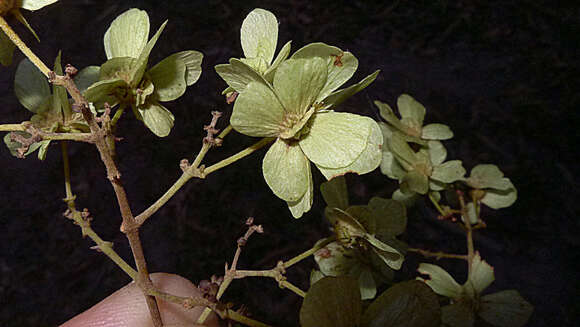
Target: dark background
column 503, row 74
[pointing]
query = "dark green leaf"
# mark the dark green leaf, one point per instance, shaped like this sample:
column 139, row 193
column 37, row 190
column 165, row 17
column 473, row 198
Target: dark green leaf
column 332, row 302
column 407, row 304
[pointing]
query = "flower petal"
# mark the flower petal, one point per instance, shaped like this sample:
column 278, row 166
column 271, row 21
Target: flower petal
column 367, row 161
column 449, row 171
column 336, row 139
column 337, row 97
column 168, row 77
column 287, row 171
column 298, row 82
column 341, row 65
column 297, row 208
column 257, row 111
column 440, row 281
column 157, row 118
column 481, row 274
column 87, row 77
column 192, row 60
column 127, row 35
column 36, row 4
column 238, row 74
column 498, row 199
column 259, row 34
column 140, row 64
column 411, row 109
column 436, row 132
column 282, row 55
column 488, row 176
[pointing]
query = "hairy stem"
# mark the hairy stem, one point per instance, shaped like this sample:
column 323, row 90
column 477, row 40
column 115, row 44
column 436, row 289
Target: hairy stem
column 13, row 36
column 242, row 154
column 438, row 255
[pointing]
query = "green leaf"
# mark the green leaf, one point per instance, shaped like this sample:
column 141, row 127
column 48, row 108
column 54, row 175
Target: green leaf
column 168, row 77
column 60, row 102
column 449, row 171
column 282, row 55
column 31, row 86
column 127, row 35
column 238, row 75
column 440, row 281
column 406, row 304
column 157, row 118
column 505, row 309
column 336, row 139
column 87, row 77
column 436, row 132
column 341, row 65
column 364, row 216
column 367, row 161
column 286, row 170
column 315, row 275
column 408, row 199
column 259, row 34
column 335, row 193
column 391, row 217
column 410, row 109
column 298, row 208
column 257, row 111
column 498, row 199
column 36, row 4
column 140, row 64
column 24, row 22
column 192, row 60
column 488, row 176
column 338, row 97
column 458, row 314
column 6, row 49
column 298, row 82
column 332, row 302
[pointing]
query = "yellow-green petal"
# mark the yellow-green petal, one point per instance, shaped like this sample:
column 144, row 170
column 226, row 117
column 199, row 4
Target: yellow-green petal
column 192, row 60
column 298, row 83
column 341, row 65
column 157, row 118
column 140, row 64
column 282, row 55
column 259, row 34
column 298, row 208
column 168, row 78
column 238, row 75
column 336, row 139
column 286, row 171
column 127, row 35
column 338, row 97
column 257, row 111
column 367, row 161
column 440, row 281
column 35, row 4
column 411, row 109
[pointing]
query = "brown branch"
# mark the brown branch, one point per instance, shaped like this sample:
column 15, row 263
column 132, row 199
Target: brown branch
column 101, row 135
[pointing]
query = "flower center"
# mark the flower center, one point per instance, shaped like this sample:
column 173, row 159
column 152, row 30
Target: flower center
column 294, row 125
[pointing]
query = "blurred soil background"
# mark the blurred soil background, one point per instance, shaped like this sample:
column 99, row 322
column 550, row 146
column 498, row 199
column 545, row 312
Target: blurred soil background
column 503, row 74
